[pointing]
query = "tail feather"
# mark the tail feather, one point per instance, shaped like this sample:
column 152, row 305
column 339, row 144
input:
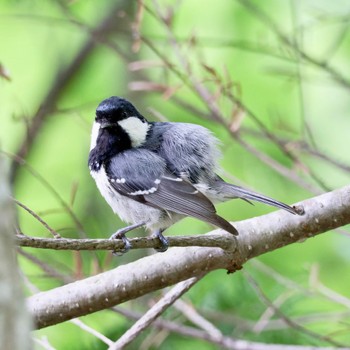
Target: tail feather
column 238, row 192
column 225, row 225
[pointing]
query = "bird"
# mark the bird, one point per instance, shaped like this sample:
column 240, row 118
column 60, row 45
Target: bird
column 153, row 174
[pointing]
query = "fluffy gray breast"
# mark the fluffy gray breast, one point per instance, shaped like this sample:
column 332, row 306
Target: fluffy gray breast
column 190, row 150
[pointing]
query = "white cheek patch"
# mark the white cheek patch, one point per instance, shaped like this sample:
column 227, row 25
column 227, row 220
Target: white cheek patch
column 94, row 135
column 136, row 129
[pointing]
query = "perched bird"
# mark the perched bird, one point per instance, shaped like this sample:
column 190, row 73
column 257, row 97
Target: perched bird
column 153, row 174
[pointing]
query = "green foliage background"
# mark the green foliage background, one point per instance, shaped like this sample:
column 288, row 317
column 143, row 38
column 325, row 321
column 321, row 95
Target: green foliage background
column 40, row 38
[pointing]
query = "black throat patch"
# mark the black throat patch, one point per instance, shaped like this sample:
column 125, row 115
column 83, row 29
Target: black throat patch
column 110, row 142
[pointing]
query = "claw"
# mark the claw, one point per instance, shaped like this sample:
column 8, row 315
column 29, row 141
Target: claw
column 120, row 234
column 127, row 244
column 164, row 242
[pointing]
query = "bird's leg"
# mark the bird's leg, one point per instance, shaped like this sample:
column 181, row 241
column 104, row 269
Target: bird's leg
column 120, row 234
column 164, row 242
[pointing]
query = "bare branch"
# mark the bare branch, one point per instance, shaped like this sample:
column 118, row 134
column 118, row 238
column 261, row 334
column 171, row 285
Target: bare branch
column 224, row 341
column 286, row 319
column 153, row 313
column 207, row 98
column 210, row 240
column 92, row 331
column 197, row 319
column 37, row 217
column 268, row 21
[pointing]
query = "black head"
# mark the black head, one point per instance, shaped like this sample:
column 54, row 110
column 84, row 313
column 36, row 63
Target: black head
column 114, row 109
column 118, row 126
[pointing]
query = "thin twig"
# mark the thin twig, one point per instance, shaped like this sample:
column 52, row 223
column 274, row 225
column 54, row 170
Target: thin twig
column 197, row 319
column 92, row 331
column 278, row 167
column 49, row 270
column 225, row 342
column 37, row 217
column 152, row 314
column 286, row 319
column 195, row 85
column 300, row 145
column 324, row 65
column 43, row 342
column 50, row 188
column 269, row 312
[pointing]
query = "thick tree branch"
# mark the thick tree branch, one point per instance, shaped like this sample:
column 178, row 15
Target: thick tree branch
column 257, row 236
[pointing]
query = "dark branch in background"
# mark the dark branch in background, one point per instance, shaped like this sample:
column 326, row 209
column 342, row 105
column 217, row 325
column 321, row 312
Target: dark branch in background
column 209, row 99
column 47, row 269
column 194, row 83
column 302, row 146
column 62, row 79
column 257, row 236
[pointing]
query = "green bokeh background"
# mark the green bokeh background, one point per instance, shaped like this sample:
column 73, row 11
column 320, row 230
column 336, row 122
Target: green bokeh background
column 40, row 38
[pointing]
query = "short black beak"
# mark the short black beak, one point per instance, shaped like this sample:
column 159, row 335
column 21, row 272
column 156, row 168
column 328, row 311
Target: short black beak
column 105, row 124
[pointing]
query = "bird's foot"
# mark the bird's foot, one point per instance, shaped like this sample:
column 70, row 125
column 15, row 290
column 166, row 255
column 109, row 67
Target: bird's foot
column 120, row 234
column 127, row 244
column 163, row 241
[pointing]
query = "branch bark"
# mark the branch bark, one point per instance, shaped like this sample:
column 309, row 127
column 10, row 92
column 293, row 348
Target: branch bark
column 257, row 236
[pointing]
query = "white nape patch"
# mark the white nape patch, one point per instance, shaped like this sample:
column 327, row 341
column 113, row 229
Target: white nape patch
column 157, row 181
column 136, row 129
column 94, row 134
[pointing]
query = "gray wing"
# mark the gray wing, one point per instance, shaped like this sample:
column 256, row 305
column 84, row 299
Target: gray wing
column 143, row 176
column 180, row 196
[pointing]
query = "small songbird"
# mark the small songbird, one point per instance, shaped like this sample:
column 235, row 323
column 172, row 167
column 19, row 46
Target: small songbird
column 153, row 174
